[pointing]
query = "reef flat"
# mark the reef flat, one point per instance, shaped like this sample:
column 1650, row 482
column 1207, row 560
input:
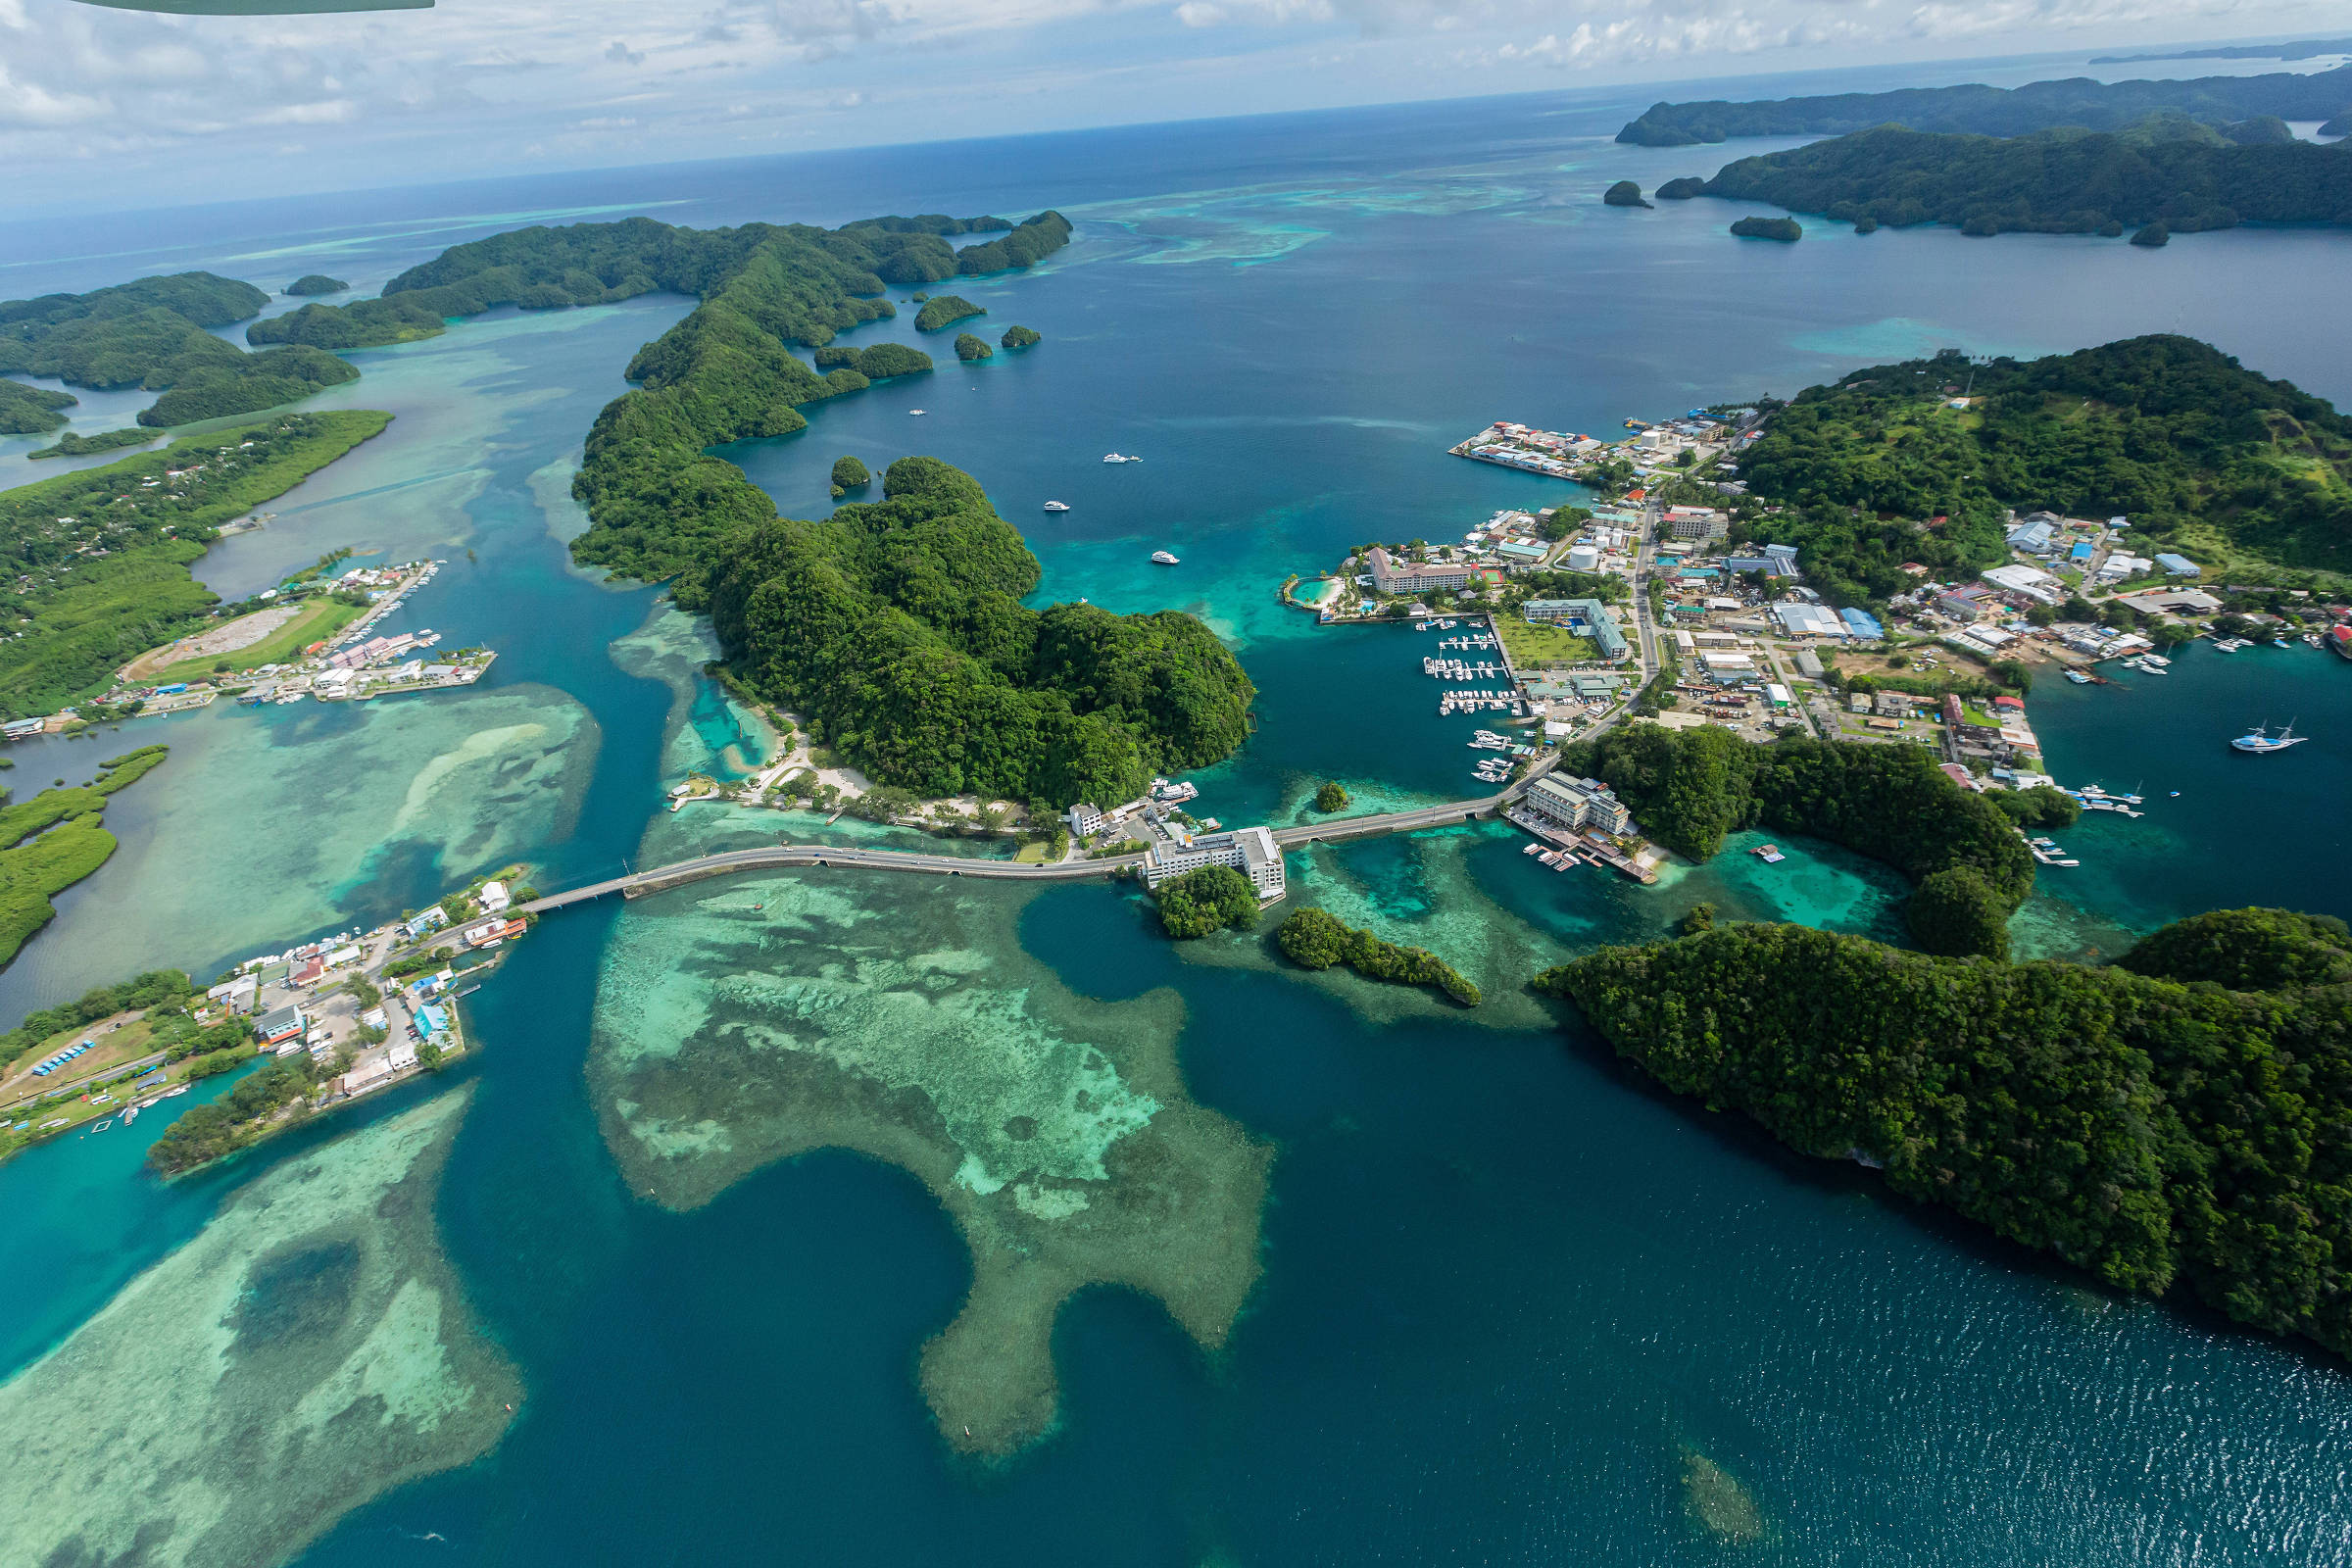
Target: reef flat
column 747, row 1021
column 306, row 1352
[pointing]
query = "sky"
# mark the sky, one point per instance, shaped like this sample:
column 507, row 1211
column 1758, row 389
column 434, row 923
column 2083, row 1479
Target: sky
column 122, row 110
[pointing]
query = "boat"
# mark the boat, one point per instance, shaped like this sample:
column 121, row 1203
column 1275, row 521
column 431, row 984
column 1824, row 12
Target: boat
column 104, row 1125
column 2281, row 642
column 1057, row 506
column 2078, row 677
column 914, row 410
column 2263, row 741
column 1769, row 854
column 1163, row 558
column 1113, row 457
column 2158, row 660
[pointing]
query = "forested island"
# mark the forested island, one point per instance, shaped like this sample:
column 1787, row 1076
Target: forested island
column 1020, row 337
column 2200, row 453
column 1691, row 787
column 1625, row 193
column 1783, row 230
column 155, row 334
column 1978, row 110
column 970, row 347
column 32, row 410
column 102, row 556
column 2178, row 172
column 896, row 630
column 316, row 283
column 71, row 445
column 2179, row 1118
column 942, row 311
column 54, row 840
column 656, row 500
column 1315, row 938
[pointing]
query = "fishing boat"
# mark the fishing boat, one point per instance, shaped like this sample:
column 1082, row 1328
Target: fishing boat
column 2262, row 740
column 1163, row 558
column 1057, row 506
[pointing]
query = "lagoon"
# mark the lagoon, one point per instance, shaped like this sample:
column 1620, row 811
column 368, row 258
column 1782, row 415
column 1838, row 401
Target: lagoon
column 1500, row 1302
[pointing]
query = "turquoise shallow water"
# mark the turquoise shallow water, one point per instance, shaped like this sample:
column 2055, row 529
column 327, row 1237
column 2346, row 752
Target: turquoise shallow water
column 1505, row 1287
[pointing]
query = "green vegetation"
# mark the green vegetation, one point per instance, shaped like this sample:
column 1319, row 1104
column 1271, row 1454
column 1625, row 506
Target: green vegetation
column 969, row 348
column 239, row 1118
column 154, row 989
column 2200, row 453
column 897, row 629
column 101, row 556
column 1207, row 900
column 32, row 410
column 1998, row 111
column 54, row 840
column 77, row 446
column 154, row 333
column 942, row 311
column 1020, row 337
column 849, row 475
column 1533, row 645
column 2054, row 182
column 657, row 501
column 1315, row 940
column 2039, row 806
column 1031, row 242
column 1625, row 193
column 2174, row 1119
column 1690, row 788
column 316, row 283
column 1683, row 189
column 322, row 616
column 1332, row 797
column 2152, row 235
column 1783, row 230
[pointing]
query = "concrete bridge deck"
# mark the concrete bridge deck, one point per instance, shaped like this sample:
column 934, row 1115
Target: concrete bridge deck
column 770, row 857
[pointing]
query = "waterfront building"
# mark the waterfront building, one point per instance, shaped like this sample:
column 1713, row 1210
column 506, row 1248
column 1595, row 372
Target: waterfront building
column 1392, row 576
column 1251, row 850
column 1577, row 804
column 285, row 1024
column 494, row 897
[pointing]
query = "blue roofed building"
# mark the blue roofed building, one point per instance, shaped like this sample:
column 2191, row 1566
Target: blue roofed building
column 2080, row 552
column 1863, row 624
column 2178, row 565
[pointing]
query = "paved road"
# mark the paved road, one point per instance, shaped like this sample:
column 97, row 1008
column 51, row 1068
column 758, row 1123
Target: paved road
column 770, row 857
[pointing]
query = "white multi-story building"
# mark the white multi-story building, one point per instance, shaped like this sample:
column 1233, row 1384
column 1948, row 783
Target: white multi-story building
column 1251, row 850
column 1392, row 576
column 1579, row 802
column 1085, row 819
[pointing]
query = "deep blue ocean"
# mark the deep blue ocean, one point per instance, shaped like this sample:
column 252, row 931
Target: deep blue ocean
column 1508, row 1288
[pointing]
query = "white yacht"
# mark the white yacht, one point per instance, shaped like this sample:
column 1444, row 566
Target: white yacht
column 1113, row 457
column 2262, row 740
column 1057, row 506
column 1163, row 558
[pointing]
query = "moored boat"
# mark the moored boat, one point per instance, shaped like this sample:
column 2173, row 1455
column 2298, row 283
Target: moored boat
column 2262, row 740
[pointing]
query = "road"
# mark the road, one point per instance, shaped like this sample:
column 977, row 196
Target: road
column 773, row 856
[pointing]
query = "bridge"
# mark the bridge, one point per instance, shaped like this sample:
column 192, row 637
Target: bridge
column 770, row 857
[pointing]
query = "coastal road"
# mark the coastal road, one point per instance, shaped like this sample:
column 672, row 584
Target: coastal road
column 773, row 857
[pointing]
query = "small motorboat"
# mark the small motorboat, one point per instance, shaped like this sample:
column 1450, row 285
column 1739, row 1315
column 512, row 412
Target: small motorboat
column 1163, row 558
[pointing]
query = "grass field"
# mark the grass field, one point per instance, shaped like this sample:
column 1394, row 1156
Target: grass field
column 1532, row 645
column 321, row 617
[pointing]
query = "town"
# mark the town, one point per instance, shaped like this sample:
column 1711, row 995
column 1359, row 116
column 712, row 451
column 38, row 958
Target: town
column 356, row 1011
column 313, row 636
